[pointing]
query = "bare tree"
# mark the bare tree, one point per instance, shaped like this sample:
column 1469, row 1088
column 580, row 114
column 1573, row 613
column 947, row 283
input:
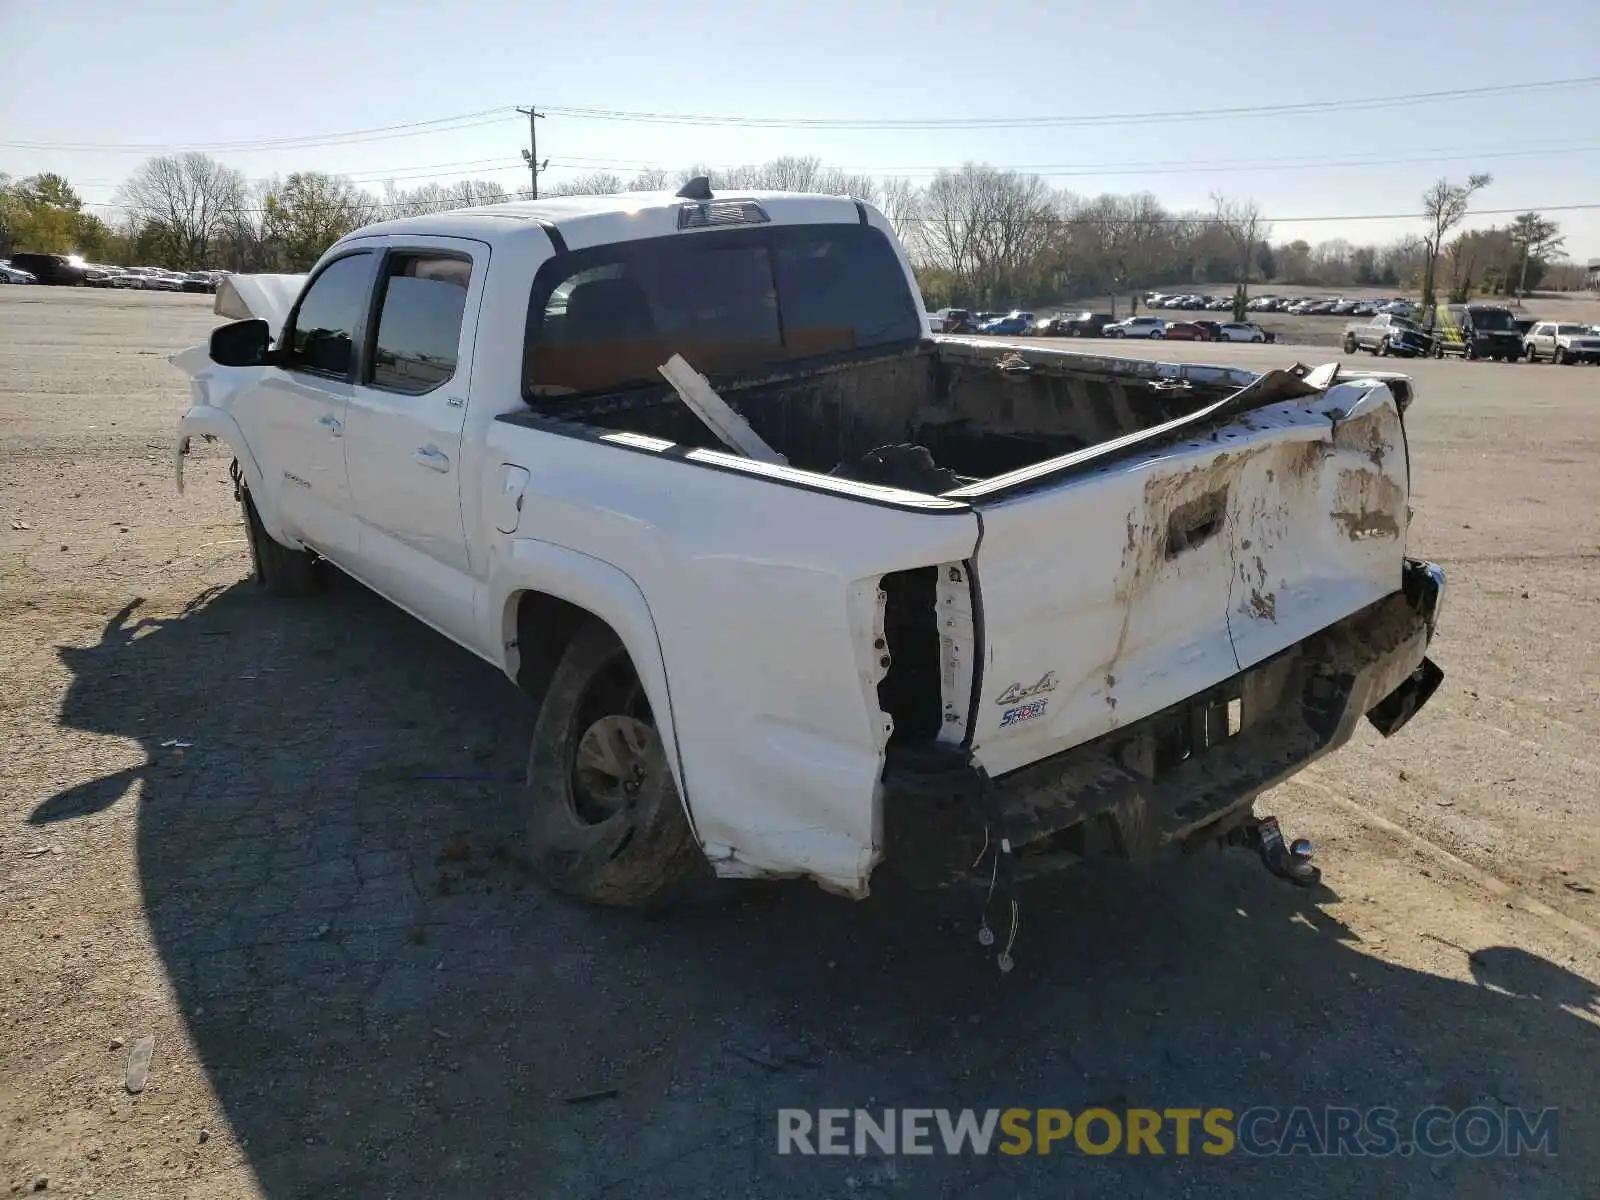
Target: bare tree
column 1462, row 255
column 1241, row 221
column 1444, row 206
column 246, row 238
column 475, row 193
column 900, row 201
column 1135, row 239
column 952, row 213
column 653, row 179
column 190, row 196
column 596, row 183
column 434, row 197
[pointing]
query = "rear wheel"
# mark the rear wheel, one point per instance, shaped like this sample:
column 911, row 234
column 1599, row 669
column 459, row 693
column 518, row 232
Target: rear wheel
column 282, row 571
column 605, row 823
column 1350, row 343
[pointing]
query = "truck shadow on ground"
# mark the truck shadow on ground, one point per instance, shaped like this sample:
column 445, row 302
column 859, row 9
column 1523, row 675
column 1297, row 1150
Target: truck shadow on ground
column 386, row 1004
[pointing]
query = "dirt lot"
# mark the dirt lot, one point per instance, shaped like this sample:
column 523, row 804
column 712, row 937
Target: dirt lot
column 279, row 838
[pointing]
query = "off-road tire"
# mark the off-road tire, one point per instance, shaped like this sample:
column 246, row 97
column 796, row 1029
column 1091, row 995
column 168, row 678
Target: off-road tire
column 643, row 855
column 280, row 570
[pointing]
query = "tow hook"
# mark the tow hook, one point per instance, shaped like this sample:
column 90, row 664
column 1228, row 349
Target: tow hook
column 1287, row 860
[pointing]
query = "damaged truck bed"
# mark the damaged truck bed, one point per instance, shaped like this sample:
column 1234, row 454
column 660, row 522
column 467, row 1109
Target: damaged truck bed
column 874, row 597
column 1186, row 583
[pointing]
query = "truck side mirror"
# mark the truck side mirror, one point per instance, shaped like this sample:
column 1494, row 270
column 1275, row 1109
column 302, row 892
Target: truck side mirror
column 241, row 343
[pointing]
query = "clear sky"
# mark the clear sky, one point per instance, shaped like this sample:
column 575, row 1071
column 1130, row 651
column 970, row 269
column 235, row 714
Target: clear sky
column 115, row 78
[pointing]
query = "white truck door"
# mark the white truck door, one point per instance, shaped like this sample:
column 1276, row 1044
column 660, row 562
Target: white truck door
column 406, row 412
column 300, row 411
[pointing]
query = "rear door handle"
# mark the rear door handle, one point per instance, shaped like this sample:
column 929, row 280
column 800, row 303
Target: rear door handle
column 433, row 458
column 331, row 423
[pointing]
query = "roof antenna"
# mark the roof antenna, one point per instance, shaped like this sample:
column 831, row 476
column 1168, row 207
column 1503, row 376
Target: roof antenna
column 698, row 188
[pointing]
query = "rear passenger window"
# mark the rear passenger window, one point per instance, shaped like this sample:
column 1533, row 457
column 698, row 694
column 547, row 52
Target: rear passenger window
column 727, row 300
column 324, row 334
column 842, row 288
column 419, row 321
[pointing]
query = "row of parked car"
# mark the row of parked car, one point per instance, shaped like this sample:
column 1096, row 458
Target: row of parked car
column 1292, row 305
column 68, row 270
column 1094, row 325
column 1476, row 331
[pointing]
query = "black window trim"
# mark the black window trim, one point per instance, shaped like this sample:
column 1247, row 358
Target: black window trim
column 367, row 362
column 358, row 334
column 561, row 266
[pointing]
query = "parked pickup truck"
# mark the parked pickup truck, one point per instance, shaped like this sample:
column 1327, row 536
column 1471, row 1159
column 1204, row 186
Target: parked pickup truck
column 797, row 589
column 1386, row 333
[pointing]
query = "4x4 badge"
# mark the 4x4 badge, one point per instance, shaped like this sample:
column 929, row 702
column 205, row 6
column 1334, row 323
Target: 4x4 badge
column 1019, row 691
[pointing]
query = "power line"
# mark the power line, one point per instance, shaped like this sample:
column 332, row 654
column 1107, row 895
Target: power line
column 505, row 112
column 381, row 174
column 487, row 116
column 1173, row 167
column 1100, row 119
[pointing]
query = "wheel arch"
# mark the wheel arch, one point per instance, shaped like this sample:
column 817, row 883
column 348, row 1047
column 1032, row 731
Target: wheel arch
column 207, row 421
column 547, row 594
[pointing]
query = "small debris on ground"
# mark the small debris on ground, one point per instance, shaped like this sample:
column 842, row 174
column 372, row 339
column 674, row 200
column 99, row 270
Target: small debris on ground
column 1585, row 888
column 455, row 850
column 774, row 1058
column 591, row 1097
column 205, row 1136
column 116, row 1043
column 139, row 1064
column 176, row 744
column 20, row 525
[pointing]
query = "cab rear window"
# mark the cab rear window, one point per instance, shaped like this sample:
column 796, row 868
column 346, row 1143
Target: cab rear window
column 607, row 318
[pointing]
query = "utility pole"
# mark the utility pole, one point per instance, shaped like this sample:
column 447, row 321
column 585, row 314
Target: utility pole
column 531, row 154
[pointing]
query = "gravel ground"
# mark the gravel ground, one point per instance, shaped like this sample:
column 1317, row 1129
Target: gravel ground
column 279, row 839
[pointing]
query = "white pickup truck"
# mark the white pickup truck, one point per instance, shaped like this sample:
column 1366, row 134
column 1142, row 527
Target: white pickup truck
column 976, row 596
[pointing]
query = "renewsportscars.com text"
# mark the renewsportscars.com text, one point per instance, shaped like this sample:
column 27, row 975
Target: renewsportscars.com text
column 1260, row 1131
